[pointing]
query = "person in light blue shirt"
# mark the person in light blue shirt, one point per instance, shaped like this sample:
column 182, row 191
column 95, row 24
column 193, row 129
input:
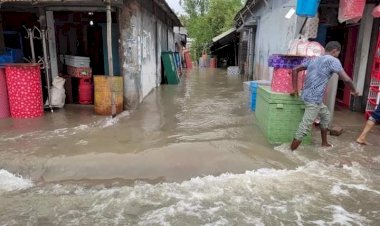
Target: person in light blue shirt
column 319, row 71
column 371, row 122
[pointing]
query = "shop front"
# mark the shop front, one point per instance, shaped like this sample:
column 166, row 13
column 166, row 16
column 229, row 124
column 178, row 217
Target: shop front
column 68, row 41
column 352, row 23
column 356, row 27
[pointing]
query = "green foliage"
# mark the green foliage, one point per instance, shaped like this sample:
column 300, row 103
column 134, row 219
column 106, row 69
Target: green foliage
column 206, row 19
column 195, row 8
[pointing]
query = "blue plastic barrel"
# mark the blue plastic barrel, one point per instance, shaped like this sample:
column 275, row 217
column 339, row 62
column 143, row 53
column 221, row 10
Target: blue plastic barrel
column 307, row 8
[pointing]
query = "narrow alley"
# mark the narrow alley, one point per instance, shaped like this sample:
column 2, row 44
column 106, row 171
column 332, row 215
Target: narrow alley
column 191, row 154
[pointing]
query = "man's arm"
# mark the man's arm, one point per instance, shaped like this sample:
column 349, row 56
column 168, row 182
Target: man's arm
column 346, row 79
column 295, row 72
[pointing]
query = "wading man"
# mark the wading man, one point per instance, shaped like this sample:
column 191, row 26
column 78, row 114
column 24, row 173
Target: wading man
column 319, row 72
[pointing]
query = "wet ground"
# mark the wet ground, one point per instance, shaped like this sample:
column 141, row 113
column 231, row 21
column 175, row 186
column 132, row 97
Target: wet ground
column 190, row 155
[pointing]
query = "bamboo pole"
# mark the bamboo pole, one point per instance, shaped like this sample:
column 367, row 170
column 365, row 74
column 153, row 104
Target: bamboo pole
column 110, row 60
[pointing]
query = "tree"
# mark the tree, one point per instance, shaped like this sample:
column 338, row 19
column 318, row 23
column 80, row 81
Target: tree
column 195, row 8
column 206, row 19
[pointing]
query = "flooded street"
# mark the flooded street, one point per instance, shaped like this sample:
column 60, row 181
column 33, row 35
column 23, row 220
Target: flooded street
column 190, row 155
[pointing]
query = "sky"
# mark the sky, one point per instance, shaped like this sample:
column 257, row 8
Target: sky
column 174, row 4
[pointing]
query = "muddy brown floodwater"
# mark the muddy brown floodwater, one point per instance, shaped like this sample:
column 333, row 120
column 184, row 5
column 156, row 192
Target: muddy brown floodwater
column 191, row 154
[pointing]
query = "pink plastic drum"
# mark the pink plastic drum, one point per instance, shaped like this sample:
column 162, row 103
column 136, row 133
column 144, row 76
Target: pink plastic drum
column 24, row 90
column 4, row 103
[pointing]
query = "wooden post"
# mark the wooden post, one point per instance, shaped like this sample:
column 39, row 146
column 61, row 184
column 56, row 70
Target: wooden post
column 362, row 51
column 2, row 44
column 52, row 44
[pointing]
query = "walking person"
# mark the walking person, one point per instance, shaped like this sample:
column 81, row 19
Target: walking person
column 319, row 72
column 371, row 122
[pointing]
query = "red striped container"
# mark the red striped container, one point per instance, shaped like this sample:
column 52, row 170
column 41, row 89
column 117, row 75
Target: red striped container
column 282, row 81
column 24, row 90
column 4, row 103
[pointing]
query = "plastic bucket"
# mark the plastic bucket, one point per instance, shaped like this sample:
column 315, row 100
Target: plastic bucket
column 307, row 8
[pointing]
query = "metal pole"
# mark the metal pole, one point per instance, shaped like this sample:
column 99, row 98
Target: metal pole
column 31, row 37
column 110, row 60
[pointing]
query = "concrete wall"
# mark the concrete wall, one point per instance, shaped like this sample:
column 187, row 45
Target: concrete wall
column 274, row 33
column 171, row 40
column 148, row 56
column 143, row 35
column 130, row 26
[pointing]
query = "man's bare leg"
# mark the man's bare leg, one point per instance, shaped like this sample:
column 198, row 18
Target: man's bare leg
column 362, row 139
column 324, row 137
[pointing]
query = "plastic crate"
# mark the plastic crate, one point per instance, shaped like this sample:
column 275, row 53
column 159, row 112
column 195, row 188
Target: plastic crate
column 373, row 92
column 11, row 56
column 278, row 116
column 371, row 105
column 375, row 81
column 375, row 74
column 77, row 61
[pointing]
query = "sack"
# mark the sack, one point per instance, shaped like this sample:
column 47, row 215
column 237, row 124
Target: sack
column 59, row 82
column 351, row 10
column 301, row 47
column 376, row 11
column 58, row 95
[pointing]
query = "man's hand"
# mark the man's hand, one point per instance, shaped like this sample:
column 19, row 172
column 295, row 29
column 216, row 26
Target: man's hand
column 294, row 93
column 355, row 93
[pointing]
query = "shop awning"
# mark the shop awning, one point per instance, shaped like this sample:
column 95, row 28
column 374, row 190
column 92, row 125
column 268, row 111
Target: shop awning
column 225, row 34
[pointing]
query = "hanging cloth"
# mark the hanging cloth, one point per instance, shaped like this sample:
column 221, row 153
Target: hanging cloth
column 351, row 10
column 376, row 11
column 311, row 28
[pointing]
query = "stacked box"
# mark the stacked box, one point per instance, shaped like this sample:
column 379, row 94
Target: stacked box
column 278, row 115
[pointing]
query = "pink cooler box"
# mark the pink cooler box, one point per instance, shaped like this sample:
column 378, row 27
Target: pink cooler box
column 4, row 103
column 282, row 80
column 24, row 90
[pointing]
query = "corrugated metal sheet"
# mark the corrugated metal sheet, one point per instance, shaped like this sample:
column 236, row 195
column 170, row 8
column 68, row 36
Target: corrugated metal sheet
column 59, row 2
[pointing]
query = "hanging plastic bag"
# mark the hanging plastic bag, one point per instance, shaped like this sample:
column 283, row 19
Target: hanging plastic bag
column 376, row 11
column 351, row 10
column 302, row 47
column 310, row 49
column 294, row 45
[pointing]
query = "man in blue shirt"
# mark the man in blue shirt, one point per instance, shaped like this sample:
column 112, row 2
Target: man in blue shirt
column 319, row 72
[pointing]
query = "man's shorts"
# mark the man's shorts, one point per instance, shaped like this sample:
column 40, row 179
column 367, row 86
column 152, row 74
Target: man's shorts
column 375, row 117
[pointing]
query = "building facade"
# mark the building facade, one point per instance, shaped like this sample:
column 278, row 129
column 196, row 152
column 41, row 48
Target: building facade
column 141, row 30
column 265, row 30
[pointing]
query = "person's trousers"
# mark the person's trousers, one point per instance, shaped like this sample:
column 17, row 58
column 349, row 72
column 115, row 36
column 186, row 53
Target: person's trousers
column 312, row 111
